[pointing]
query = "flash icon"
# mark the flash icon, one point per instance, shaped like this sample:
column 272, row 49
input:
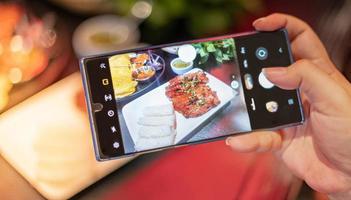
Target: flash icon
column 113, row 129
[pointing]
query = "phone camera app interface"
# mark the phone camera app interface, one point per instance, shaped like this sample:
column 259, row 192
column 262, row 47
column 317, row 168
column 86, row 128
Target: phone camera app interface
column 178, row 94
column 268, row 105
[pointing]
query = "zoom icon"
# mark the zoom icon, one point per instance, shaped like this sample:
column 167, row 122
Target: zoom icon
column 261, row 53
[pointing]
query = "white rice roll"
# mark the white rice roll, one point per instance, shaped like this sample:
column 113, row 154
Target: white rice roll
column 168, row 120
column 152, row 143
column 159, row 110
column 155, row 131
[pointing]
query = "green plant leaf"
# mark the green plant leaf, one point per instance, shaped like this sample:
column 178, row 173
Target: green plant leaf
column 202, row 52
column 225, row 57
column 211, row 47
column 218, row 55
column 203, row 59
column 197, row 45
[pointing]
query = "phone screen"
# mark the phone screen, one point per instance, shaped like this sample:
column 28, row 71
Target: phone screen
column 188, row 92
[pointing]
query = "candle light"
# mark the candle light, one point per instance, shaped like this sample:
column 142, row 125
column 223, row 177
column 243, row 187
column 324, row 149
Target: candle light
column 15, row 75
column 141, row 9
column 16, row 44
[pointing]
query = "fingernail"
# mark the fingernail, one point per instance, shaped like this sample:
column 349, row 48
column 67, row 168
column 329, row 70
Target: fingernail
column 227, row 141
column 258, row 21
column 275, row 71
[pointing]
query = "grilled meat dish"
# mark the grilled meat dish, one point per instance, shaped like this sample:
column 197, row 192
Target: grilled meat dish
column 190, row 94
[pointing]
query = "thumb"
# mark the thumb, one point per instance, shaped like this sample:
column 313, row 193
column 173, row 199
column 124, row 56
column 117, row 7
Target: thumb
column 317, row 86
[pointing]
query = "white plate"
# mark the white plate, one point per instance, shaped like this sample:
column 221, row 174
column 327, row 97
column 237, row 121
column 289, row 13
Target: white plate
column 185, row 126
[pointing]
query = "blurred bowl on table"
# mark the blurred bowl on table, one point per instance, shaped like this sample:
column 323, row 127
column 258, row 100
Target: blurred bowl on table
column 105, row 33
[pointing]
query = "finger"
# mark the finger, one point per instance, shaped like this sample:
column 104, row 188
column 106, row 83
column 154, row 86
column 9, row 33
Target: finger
column 317, row 86
column 276, row 21
column 305, row 43
column 256, row 142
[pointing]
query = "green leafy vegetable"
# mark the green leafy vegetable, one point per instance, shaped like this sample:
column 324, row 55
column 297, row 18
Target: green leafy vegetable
column 222, row 50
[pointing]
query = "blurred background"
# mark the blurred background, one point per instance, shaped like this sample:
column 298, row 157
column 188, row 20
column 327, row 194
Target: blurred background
column 40, row 43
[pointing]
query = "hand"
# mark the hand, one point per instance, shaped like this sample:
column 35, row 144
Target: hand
column 319, row 151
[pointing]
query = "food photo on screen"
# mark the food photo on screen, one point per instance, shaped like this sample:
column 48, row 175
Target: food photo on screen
column 178, row 94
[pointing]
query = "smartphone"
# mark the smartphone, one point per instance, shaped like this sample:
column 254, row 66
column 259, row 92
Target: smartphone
column 152, row 98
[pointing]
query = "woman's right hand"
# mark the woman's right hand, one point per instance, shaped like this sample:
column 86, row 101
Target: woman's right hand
column 318, row 151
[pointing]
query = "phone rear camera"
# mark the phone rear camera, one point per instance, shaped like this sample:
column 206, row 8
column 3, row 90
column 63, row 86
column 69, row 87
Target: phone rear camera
column 261, row 53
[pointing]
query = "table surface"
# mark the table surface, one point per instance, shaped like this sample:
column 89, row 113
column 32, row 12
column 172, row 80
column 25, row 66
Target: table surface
column 13, row 185
column 52, row 149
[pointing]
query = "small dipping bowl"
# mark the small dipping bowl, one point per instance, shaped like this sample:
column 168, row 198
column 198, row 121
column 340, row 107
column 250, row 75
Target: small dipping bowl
column 143, row 73
column 180, row 67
